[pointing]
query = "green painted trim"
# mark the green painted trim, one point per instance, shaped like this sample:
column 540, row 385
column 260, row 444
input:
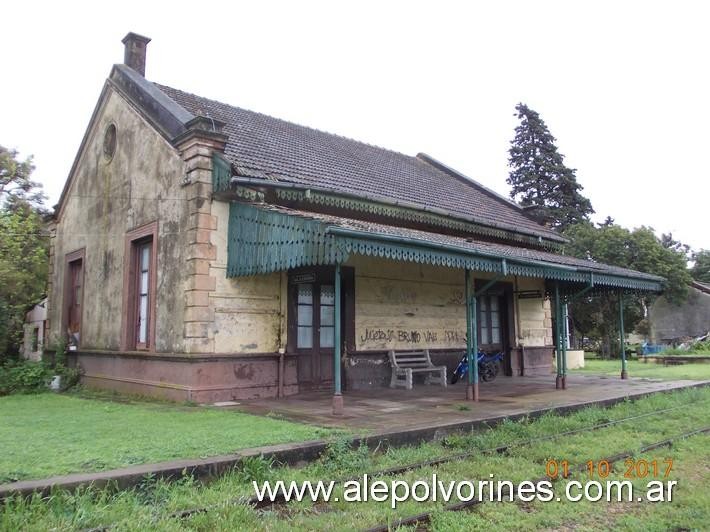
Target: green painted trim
column 399, row 248
column 492, row 281
column 411, row 215
column 221, row 173
column 569, row 298
column 264, row 241
column 248, row 194
column 417, row 253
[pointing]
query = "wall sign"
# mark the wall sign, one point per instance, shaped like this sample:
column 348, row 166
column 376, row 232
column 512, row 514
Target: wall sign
column 529, row 294
column 301, row 278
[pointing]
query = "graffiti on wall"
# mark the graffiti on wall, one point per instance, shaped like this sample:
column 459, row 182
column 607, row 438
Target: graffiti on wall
column 379, row 337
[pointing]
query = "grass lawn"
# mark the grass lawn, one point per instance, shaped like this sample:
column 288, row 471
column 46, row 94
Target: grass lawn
column 150, row 506
column 646, row 369
column 50, row 434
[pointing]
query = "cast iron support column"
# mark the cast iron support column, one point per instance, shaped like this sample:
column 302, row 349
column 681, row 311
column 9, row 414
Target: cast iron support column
column 558, row 342
column 338, row 395
column 469, row 338
column 624, row 373
column 565, row 336
column 473, row 376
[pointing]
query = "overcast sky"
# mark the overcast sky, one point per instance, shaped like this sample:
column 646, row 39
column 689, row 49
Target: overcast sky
column 624, row 86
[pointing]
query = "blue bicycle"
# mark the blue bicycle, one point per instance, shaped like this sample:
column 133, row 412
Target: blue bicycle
column 488, row 367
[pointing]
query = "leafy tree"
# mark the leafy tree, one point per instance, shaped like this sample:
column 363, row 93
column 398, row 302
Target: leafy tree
column 640, row 250
column 701, row 269
column 669, row 242
column 539, row 179
column 23, row 248
column 16, row 187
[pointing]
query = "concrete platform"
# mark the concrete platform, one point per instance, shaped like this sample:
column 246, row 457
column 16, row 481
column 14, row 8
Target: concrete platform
column 386, row 410
column 383, row 416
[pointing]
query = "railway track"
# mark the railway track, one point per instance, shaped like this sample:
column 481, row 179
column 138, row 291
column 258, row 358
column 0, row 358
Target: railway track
column 424, row 517
column 398, row 470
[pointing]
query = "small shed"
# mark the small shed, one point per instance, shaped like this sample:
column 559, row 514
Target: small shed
column 35, row 326
column 671, row 323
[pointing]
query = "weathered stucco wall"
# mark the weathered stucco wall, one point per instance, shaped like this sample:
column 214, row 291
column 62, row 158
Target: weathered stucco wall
column 409, row 306
column 671, row 322
column 108, row 198
column 397, row 305
column 249, row 312
column 534, row 323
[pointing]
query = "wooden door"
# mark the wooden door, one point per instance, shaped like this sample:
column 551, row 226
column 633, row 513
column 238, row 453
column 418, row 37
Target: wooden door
column 315, row 332
column 311, row 322
column 76, row 279
column 492, row 333
column 495, row 323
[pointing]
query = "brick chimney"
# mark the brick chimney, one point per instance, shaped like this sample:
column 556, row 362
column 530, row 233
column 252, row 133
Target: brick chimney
column 134, row 54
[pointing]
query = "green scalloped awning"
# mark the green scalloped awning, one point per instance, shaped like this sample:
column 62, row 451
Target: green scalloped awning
column 269, row 239
column 265, row 241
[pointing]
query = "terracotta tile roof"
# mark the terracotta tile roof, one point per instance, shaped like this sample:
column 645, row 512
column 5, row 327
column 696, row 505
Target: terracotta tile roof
column 268, row 148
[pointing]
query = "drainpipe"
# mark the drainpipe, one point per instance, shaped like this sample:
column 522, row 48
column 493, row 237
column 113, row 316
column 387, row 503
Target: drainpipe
column 280, row 392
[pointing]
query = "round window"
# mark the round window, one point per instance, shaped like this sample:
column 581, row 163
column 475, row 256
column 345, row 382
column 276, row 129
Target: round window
column 110, row 142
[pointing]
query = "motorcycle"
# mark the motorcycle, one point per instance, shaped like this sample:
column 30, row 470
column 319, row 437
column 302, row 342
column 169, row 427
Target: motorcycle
column 488, row 367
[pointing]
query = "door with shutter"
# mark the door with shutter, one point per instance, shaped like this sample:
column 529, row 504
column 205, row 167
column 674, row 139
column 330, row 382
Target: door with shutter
column 311, row 332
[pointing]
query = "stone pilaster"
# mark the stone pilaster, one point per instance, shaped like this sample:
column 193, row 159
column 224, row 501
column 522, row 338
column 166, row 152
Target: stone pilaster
column 549, row 337
column 53, row 300
column 197, row 146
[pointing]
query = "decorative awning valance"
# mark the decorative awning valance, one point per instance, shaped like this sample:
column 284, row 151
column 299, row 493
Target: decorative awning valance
column 271, row 238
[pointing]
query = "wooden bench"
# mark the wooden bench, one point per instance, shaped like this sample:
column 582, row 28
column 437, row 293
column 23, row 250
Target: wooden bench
column 406, row 363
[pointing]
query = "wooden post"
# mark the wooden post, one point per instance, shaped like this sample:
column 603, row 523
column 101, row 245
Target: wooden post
column 338, row 395
column 624, row 373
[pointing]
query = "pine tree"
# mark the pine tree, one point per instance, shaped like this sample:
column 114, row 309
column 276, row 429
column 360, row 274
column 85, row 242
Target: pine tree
column 701, row 268
column 539, row 179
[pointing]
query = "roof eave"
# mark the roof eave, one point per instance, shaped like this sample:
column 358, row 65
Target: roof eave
column 365, row 234
column 552, row 270
column 258, row 181
column 489, row 192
